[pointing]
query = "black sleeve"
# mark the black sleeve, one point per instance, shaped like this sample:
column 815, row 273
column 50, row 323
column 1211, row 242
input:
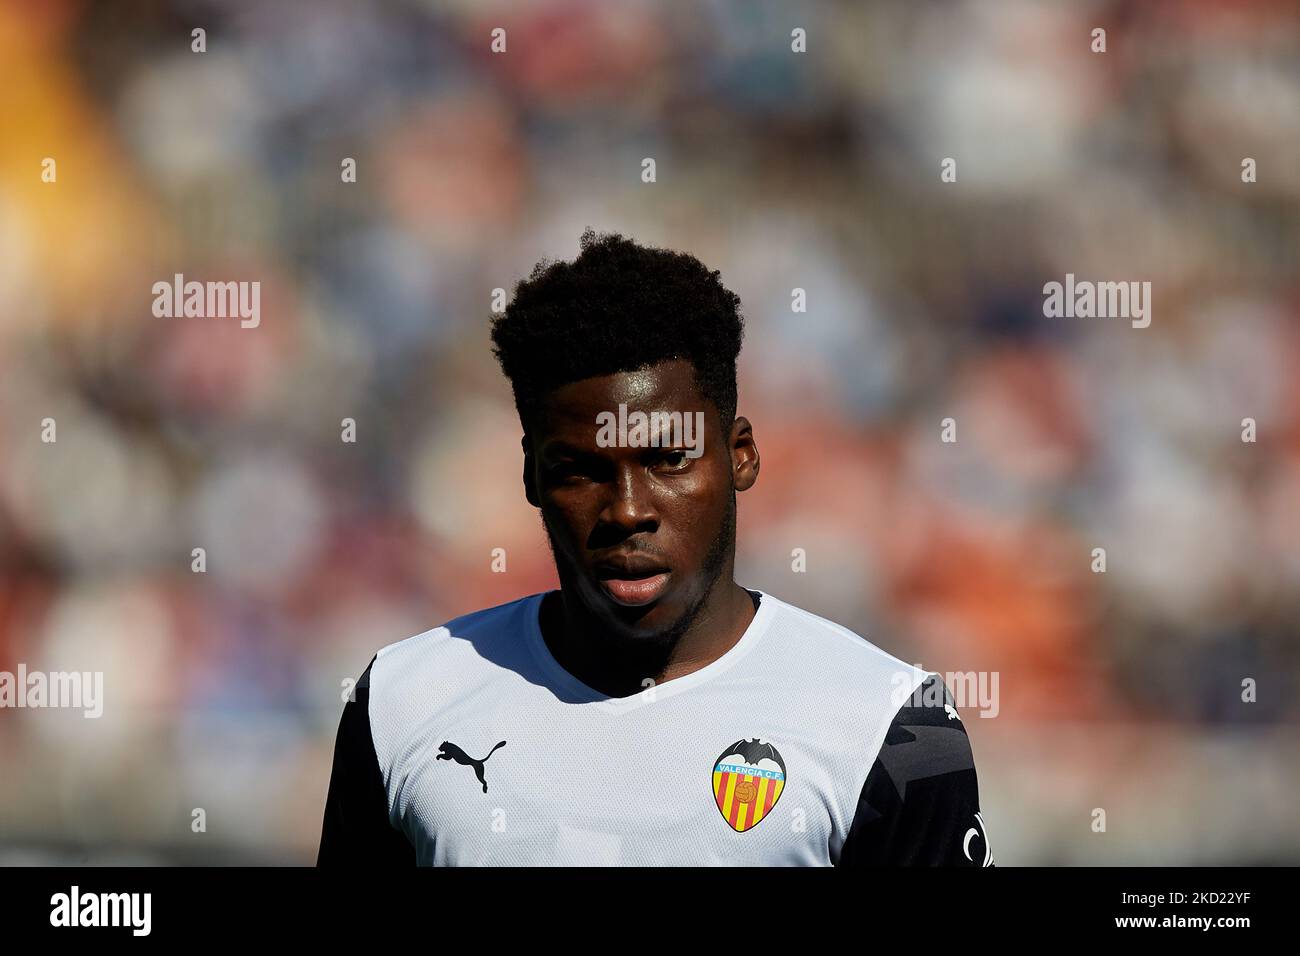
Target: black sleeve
column 356, row 829
column 920, row 803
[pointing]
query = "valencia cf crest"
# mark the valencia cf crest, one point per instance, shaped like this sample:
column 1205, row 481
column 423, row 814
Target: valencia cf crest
column 748, row 778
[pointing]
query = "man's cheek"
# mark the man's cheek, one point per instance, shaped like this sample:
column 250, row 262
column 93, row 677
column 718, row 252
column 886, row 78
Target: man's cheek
column 562, row 541
column 564, row 521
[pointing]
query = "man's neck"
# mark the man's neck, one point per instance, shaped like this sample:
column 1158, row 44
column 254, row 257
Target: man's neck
column 587, row 650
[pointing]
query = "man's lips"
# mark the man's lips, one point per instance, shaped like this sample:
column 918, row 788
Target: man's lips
column 632, row 580
column 634, row 592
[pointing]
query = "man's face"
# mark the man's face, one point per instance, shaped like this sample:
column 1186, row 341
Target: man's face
column 640, row 534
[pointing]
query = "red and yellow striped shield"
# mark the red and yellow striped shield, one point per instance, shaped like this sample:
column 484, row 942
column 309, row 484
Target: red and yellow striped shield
column 748, row 779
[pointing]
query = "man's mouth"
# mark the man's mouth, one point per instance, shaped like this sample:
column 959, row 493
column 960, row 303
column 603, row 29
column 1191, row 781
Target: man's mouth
column 632, row 582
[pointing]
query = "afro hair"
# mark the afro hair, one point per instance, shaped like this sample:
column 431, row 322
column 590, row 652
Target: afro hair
column 619, row 307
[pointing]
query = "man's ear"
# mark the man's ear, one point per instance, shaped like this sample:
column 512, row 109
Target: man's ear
column 530, row 489
column 744, row 454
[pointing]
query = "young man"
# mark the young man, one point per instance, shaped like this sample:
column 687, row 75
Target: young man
column 651, row 711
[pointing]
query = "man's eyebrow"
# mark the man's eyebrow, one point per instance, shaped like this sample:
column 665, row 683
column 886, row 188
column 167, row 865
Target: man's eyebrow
column 558, row 446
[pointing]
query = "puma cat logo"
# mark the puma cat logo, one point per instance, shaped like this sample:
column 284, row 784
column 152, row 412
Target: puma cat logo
column 449, row 751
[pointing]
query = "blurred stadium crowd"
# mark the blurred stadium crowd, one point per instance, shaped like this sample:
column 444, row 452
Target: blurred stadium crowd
column 1118, row 690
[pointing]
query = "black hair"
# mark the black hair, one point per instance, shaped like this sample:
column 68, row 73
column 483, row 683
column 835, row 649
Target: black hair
column 619, row 307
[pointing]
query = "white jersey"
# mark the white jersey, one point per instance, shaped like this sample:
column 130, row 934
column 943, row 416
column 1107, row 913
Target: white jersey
column 470, row 745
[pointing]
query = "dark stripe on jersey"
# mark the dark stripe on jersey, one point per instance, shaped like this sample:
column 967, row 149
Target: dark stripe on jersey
column 918, row 805
column 356, row 829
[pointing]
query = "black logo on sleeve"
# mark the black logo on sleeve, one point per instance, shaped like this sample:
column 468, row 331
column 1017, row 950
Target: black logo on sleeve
column 449, row 751
column 978, row 832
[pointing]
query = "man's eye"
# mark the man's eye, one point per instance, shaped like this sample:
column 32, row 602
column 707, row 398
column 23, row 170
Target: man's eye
column 674, row 460
column 565, row 470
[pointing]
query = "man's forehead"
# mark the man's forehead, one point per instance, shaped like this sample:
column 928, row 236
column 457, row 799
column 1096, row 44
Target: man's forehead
column 567, row 416
column 664, row 386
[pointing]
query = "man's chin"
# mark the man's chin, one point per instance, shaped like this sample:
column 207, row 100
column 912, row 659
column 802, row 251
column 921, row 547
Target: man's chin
column 654, row 619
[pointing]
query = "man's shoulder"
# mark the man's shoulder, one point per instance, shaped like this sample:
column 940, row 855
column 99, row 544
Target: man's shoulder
column 485, row 639
column 509, row 615
column 415, row 680
column 919, row 801
column 839, row 655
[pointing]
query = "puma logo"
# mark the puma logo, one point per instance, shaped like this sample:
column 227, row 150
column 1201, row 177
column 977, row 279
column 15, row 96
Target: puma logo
column 449, row 751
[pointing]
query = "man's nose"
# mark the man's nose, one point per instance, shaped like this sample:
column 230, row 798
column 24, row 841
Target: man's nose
column 631, row 505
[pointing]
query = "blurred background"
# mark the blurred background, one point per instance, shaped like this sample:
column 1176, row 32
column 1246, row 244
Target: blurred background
column 1120, row 691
